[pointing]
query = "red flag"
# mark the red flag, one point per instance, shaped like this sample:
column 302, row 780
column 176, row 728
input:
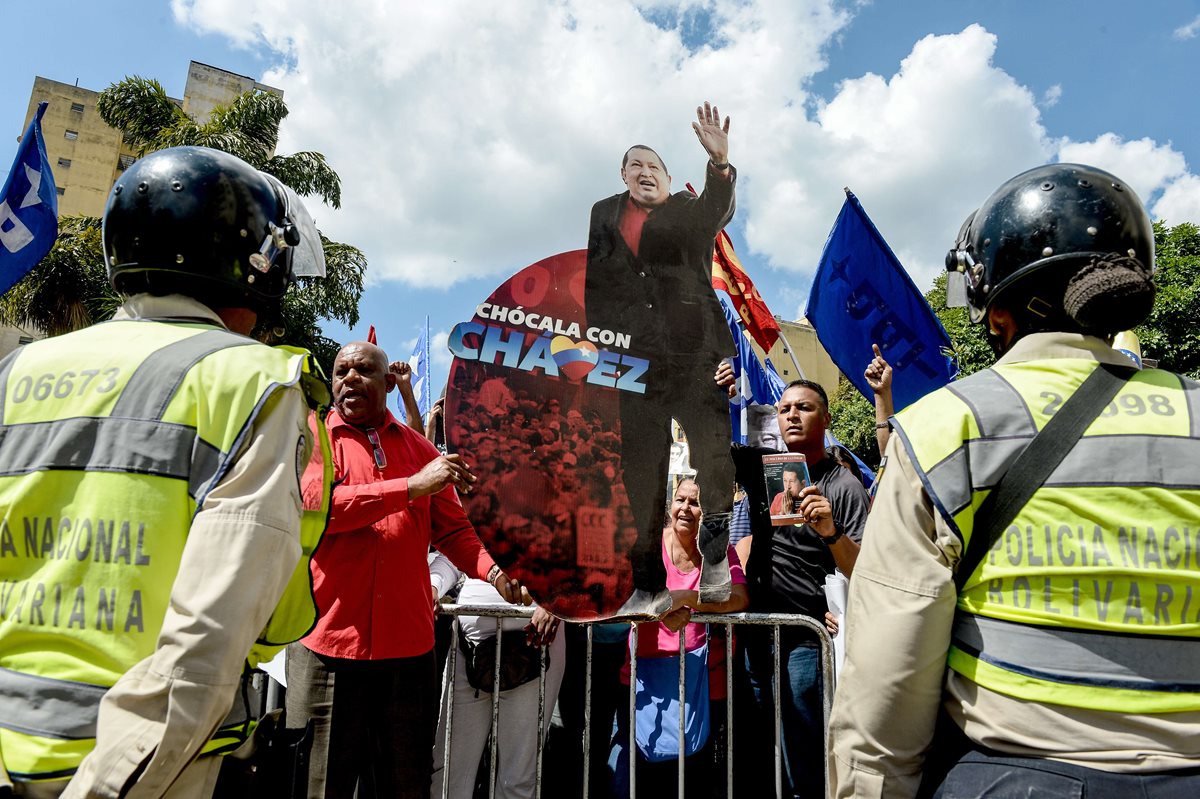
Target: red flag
column 371, row 336
column 729, row 277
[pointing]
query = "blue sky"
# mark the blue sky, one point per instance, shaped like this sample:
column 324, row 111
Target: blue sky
column 466, row 157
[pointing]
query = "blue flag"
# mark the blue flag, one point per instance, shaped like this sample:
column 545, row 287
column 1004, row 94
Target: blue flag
column 28, row 207
column 861, row 295
column 419, row 363
column 758, row 384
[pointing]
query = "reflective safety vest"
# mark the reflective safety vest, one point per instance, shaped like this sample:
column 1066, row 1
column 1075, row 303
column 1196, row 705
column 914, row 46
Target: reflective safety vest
column 111, row 438
column 1091, row 596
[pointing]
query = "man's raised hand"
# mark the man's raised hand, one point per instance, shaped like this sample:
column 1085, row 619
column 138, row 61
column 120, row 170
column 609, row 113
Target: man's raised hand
column 878, row 373
column 724, row 378
column 402, row 370
column 713, row 136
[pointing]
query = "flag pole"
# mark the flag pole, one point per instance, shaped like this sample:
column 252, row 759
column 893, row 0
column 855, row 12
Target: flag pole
column 787, row 346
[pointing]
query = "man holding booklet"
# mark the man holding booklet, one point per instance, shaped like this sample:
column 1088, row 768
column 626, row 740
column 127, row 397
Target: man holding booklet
column 786, row 574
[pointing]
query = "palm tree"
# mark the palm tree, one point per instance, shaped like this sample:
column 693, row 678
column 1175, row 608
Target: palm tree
column 69, row 289
column 248, row 127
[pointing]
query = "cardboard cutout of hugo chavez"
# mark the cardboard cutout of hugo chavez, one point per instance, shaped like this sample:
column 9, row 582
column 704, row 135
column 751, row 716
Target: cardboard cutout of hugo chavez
column 649, row 273
column 564, row 384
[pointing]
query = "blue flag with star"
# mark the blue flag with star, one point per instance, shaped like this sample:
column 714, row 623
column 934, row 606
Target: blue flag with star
column 862, row 295
column 28, row 207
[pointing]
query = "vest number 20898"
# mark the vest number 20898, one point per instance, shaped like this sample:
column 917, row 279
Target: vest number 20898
column 1129, row 404
column 62, row 386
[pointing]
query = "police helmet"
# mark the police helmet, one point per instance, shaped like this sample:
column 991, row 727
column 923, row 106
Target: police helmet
column 1064, row 244
column 206, row 224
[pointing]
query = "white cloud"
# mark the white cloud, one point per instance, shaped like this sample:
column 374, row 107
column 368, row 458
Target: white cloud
column 919, row 149
column 1142, row 163
column 473, row 138
column 1188, row 31
column 1180, row 201
column 1052, row 95
column 439, row 352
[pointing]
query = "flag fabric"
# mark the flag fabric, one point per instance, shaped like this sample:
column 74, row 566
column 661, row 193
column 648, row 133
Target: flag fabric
column 419, row 363
column 760, row 387
column 861, row 295
column 371, row 336
column 729, row 276
column 28, row 207
column 759, row 384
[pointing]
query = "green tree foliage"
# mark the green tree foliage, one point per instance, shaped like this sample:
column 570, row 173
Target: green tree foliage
column 854, row 421
column 248, row 127
column 69, row 289
column 334, row 297
column 971, row 349
column 1171, row 333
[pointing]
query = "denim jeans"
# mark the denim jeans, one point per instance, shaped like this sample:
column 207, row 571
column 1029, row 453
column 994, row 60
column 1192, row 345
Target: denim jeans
column 802, row 716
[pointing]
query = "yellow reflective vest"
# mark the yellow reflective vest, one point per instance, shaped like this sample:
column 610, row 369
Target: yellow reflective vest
column 1091, row 596
column 110, row 440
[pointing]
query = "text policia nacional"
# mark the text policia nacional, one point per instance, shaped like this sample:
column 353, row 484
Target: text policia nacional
column 1138, row 597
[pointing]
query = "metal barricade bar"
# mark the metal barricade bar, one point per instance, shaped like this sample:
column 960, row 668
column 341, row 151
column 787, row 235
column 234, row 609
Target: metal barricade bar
column 585, row 745
column 775, row 621
column 682, row 638
column 633, row 647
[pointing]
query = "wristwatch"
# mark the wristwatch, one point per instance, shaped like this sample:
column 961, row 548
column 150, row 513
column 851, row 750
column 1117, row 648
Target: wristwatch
column 831, row 540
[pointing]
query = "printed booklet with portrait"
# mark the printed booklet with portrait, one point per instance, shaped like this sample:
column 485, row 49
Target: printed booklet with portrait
column 786, row 474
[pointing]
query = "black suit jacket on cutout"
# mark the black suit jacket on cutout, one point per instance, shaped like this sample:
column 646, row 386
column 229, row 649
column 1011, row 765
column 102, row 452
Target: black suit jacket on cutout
column 662, row 297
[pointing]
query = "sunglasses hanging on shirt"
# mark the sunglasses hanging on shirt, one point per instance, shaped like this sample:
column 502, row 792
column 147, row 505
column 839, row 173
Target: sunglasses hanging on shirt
column 380, row 457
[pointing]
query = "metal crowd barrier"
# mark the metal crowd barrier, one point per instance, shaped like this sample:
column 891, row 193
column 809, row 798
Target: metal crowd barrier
column 774, row 620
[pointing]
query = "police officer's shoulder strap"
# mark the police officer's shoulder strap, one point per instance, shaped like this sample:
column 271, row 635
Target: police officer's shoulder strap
column 1036, row 462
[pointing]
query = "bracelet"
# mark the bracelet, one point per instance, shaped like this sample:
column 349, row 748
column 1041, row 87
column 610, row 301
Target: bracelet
column 882, row 425
column 718, row 166
column 493, row 573
column 831, row 540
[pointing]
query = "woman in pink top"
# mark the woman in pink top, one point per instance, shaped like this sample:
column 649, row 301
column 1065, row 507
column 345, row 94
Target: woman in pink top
column 683, row 562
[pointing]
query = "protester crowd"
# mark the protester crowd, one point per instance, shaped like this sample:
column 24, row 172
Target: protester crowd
column 1052, row 667
column 538, row 465
column 802, row 420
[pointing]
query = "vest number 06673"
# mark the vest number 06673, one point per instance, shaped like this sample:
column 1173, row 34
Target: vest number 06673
column 64, row 385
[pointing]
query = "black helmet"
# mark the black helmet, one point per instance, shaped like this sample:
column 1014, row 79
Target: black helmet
column 1043, row 230
column 203, row 223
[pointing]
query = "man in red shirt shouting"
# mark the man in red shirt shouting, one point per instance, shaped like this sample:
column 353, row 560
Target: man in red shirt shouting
column 366, row 673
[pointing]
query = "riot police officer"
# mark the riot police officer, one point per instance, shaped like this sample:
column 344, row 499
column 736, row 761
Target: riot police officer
column 153, row 537
column 1052, row 626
